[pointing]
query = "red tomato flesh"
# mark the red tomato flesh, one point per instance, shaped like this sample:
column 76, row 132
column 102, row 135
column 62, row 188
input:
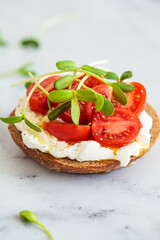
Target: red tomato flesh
column 38, row 100
column 136, row 99
column 68, row 132
column 90, row 106
column 116, row 130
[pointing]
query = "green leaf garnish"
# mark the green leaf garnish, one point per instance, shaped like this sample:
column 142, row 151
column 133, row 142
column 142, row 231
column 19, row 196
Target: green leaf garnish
column 125, row 87
column 23, row 70
column 108, row 107
column 28, row 216
column 125, row 75
column 27, row 84
column 86, row 95
column 100, row 72
column 31, row 125
column 111, row 75
column 66, row 65
column 2, row 41
column 75, row 111
column 10, row 120
column 60, row 95
column 64, row 82
column 56, row 112
column 30, row 42
column 94, row 70
column 119, row 94
column 99, row 102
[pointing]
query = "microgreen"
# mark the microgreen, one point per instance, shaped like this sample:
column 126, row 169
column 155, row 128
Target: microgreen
column 27, row 84
column 30, row 42
column 66, row 65
column 31, row 125
column 100, row 72
column 3, row 43
column 64, row 82
column 119, row 94
column 13, row 119
column 75, row 110
column 94, row 70
column 60, row 95
column 85, row 95
column 28, row 216
column 56, row 112
column 126, row 87
column 22, row 70
column 99, row 102
column 108, row 107
column 125, row 75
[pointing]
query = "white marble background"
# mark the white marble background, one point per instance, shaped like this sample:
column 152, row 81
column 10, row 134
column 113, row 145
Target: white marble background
column 124, row 204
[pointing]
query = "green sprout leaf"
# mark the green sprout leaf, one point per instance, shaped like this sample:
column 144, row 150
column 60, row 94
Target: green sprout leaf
column 27, row 84
column 100, row 72
column 125, row 75
column 99, row 102
column 23, row 70
column 10, row 120
column 28, row 216
column 66, row 65
column 125, row 87
column 119, row 94
column 56, row 112
column 108, row 107
column 111, row 75
column 31, row 125
column 75, row 111
column 63, row 82
column 86, row 95
column 60, row 95
column 3, row 43
column 30, row 42
column 94, row 70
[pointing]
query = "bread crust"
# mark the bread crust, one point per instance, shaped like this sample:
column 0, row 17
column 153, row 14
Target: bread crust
column 73, row 166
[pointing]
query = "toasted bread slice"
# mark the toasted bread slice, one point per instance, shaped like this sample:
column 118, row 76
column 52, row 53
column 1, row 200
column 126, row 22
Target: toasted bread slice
column 73, row 166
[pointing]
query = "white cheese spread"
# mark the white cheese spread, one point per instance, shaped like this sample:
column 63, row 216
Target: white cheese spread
column 81, row 151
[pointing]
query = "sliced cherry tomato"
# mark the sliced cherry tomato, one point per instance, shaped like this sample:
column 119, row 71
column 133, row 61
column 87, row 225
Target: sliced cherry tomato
column 92, row 82
column 136, row 99
column 38, row 100
column 117, row 130
column 68, row 132
column 90, row 106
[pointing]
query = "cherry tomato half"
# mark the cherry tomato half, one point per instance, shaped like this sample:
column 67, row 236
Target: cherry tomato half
column 68, row 132
column 90, row 106
column 116, row 130
column 136, row 99
column 38, row 100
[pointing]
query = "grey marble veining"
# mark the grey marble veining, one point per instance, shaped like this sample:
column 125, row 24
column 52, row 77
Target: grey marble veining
column 124, row 204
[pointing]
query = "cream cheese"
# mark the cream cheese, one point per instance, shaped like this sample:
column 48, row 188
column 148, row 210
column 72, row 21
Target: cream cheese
column 81, row 151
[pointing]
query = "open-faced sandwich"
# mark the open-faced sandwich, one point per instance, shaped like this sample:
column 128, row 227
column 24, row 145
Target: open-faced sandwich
column 84, row 120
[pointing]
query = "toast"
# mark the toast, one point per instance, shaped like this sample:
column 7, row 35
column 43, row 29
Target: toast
column 73, row 166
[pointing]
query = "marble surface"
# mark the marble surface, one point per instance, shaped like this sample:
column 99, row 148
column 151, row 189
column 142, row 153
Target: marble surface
column 124, row 204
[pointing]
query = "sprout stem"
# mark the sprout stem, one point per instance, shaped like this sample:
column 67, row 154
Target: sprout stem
column 45, row 229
